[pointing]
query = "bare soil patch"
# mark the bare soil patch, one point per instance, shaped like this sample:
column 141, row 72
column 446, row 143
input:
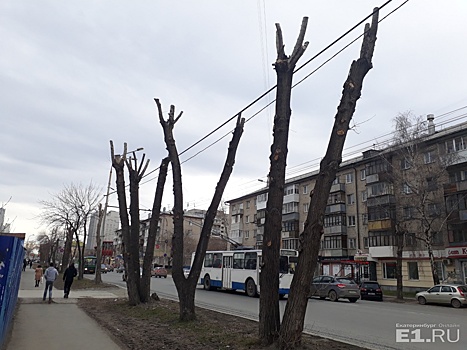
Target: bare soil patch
column 155, row 325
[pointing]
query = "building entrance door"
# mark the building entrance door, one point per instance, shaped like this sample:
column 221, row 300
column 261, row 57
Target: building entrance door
column 464, row 272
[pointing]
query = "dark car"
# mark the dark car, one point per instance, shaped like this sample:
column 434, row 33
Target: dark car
column 371, row 290
column 334, row 288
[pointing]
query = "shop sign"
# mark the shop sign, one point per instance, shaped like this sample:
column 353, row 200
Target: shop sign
column 454, row 252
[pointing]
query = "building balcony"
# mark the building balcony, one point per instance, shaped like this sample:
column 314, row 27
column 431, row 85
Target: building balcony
column 261, row 205
column 294, row 197
column 380, row 200
column 236, row 226
column 290, row 234
column 324, row 253
column 290, row 216
column 337, row 188
column 238, row 211
column 260, row 221
column 380, row 225
column 455, row 187
column 341, row 229
column 372, row 178
column 335, row 208
column 383, row 251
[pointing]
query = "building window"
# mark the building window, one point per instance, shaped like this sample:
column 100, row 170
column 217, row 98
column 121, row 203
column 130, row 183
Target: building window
column 405, row 164
column 349, row 178
column 305, row 189
column 365, row 219
column 455, row 145
column 440, row 270
column 351, row 199
column 352, row 243
column 429, row 157
column 412, row 268
column 351, row 220
column 406, row 188
column 255, row 217
column 389, row 270
column 248, row 204
column 291, row 207
column 364, row 196
column 363, row 174
column 408, row 212
column 334, row 220
column 247, row 234
column 336, row 180
column 410, row 240
column 291, row 190
column 365, row 242
column 305, row 207
column 247, row 219
column 234, row 207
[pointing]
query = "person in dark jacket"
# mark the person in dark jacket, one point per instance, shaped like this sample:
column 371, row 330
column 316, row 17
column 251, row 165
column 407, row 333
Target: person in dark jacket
column 68, row 276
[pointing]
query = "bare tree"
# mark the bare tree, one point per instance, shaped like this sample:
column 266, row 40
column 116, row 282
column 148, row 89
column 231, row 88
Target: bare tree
column 186, row 286
column 269, row 316
column 418, row 170
column 100, row 214
column 294, row 315
column 70, row 210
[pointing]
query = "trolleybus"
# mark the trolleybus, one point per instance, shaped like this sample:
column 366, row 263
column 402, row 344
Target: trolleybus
column 240, row 269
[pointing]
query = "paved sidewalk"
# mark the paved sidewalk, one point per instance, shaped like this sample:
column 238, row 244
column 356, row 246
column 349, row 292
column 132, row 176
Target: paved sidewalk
column 60, row 325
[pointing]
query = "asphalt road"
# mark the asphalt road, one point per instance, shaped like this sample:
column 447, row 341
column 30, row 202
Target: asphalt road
column 375, row 325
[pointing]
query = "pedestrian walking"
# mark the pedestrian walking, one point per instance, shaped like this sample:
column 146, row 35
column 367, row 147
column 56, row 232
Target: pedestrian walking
column 50, row 276
column 25, row 262
column 30, row 264
column 68, row 276
column 38, row 273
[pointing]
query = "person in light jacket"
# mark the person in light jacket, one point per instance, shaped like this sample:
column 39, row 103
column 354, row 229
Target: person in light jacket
column 38, row 273
column 68, row 276
column 50, row 276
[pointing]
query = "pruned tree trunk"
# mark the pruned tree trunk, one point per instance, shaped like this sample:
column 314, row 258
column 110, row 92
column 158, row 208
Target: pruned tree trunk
column 118, row 163
column 269, row 316
column 98, row 277
column 294, row 315
column 153, row 225
column 186, row 286
column 67, row 248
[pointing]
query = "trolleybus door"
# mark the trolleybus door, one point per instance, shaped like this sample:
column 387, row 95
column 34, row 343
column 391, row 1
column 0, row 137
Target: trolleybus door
column 226, row 272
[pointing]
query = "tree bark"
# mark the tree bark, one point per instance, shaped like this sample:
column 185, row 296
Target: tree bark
column 294, row 315
column 400, row 248
column 269, row 316
column 153, row 224
column 118, row 163
column 98, row 277
column 186, row 286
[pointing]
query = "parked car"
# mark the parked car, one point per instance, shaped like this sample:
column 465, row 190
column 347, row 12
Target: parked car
column 371, row 290
column 454, row 294
column 159, row 272
column 335, row 288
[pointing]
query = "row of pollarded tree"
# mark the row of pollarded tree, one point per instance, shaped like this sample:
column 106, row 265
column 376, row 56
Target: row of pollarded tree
column 288, row 334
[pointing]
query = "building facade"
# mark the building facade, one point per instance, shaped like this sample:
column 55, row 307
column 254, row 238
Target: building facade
column 416, row 191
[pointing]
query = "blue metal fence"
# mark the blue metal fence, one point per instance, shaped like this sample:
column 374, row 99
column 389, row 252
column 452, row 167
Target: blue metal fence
column 11, row 260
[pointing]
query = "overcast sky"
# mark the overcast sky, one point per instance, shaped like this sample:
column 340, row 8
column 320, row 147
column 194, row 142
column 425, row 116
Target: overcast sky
column 74, row 75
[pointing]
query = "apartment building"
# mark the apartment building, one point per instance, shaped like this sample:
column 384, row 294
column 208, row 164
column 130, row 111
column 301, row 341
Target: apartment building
column 376, row 198
column 193, row 221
